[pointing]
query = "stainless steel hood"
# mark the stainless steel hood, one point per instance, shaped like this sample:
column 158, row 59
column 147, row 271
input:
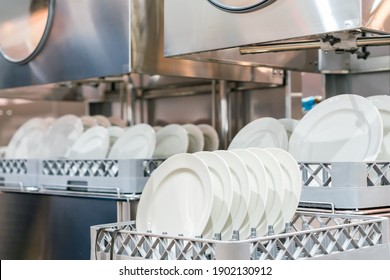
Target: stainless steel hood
column 289, row 34
column 98, row 38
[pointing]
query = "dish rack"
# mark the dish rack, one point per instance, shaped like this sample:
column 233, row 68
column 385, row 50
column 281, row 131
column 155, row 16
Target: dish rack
column 116, row 177
column 309, row 236
column 20, row 173
column 345, row 185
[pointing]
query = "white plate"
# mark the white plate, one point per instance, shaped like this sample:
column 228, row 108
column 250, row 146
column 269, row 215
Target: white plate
column 60, row 136
column 102, row 120
column 168, row 205
column 292, row 185
column 211, row 139
column 289, row 125
column 137, row 142
column 275, row 196
column 157, row 128
column 341, row 128
column 171, row 140
column 26, row 139
column 49, row 121
column 239, row 210
column 92, row 144
column 114, row 132
column 222, row 192
column 88, row 121
column 382, row 103
column 195, row 138
column 261, row 133
column 258, row 191
column 116, row 121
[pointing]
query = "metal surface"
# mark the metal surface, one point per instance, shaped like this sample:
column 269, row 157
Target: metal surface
column 96, row 38
column 309, row 236
column 48, row 226
column 189, row 35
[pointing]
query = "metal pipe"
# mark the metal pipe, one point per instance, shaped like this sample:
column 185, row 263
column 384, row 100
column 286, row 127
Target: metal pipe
column 213, row 103
column 279, row 47
column 373, row 41
column 310, row 44
column 224, row 114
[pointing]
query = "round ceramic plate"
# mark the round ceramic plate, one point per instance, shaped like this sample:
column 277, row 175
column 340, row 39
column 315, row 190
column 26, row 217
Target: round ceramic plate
column 171, row 140
column 116, row 121
column 88, row 121
column 261, row 133
column 102, row 120
column 258, row 191
column 341, row 128
column 137, row 142
column 222, row 192
column 195, row 138
column 239, row 210
column 26, row 139
column 275, row 186
column 168, row 205
column 92, row 144
column 157, row 128
column 292, row 184
column 382, row 103
column 114, row 132
column 60, row 136
column 289, row 125
column 211, row 139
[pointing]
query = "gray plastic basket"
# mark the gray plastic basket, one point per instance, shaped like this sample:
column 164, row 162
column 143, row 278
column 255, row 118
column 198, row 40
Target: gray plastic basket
column 346, row 185
column 101, row 176
column 19, row 172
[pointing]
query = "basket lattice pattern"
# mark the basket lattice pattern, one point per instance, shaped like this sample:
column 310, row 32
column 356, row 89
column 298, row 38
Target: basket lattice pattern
column 13, row 166
column 309, row 235
column 378, row 174
column 316, row 174
column 81, row 168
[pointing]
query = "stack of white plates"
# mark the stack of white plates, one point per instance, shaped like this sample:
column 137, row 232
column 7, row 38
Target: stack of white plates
column 174, row 139
column 239, row 191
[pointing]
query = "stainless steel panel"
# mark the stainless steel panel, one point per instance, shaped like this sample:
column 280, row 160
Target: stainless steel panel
column 50, row 227
column 200, row 31
column 198, row 26
column 86, row 40
column 95, row 38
